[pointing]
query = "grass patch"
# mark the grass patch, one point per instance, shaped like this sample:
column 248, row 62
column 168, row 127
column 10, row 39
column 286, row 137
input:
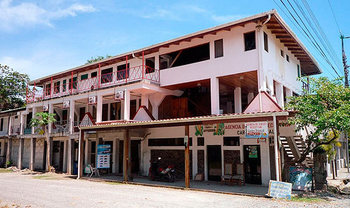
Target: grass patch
column 46, row 177
column 308, row 199
column 3, row 170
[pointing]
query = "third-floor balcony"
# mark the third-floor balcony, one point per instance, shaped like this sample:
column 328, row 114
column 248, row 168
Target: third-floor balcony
column 116, row 78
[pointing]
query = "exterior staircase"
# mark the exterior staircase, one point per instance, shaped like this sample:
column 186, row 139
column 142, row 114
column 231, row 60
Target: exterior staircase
column 293, row 147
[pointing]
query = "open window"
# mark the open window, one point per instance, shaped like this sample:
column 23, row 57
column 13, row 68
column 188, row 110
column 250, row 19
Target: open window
column 48, row 89
column 185, row 56
column 150, row 65
column 56, row 87
column 84, row 76
column 75, row 83
column 122, row 73
column 249, row 41
column 219, row 48
column 106, row 75
column 64, row 85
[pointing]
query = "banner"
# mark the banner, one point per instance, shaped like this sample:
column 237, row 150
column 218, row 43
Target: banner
column 278, row 189
column 301, row 178
column 103, row 156
column 256, row 130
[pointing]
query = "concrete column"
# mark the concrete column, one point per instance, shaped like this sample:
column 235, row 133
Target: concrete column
column 126, row 156
column 50, row 125
column 86, row 154
column 10, row 125
column 144, row 100
column 9, row 149
column 156, row 99
column 211, row 50
column 250, row 97
column 117, row 143
column 33, row 116
column 70, row 156
column 214, row 96
column 156, row 63
column 20, row 153
column 2, row 148
column 99, row 108
column 21, row 124
column 114, row 153
column 126, row 105
column 32, row 153
column 279, row 94
column 121, row 110
column 49, row 154
column 238, row 100
column 71, row 115
column 205, row 163
column 194, row 161
column 65, row 156
column 260, row 48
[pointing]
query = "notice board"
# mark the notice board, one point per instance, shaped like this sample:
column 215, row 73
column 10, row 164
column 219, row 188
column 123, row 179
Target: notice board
column 278, row 189
column 301, row 178
column 103, row 156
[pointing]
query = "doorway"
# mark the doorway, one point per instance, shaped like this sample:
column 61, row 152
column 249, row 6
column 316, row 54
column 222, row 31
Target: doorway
column 135, row 156
column 57, row 155
column 252, row 164
column 214, row 162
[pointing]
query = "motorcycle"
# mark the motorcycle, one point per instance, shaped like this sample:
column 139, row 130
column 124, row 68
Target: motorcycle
column 161, row 174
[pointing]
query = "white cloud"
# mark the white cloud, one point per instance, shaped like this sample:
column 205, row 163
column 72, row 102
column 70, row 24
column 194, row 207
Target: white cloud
column 29, row 14
column 226, row 18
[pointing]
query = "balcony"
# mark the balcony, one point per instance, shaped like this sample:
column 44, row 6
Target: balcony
column 60, row 127
column 117, row 78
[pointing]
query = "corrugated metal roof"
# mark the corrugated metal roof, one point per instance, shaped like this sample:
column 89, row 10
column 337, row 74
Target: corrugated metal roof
column 185, row 121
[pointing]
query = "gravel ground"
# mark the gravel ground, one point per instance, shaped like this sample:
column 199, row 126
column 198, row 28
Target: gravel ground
column 53, row 190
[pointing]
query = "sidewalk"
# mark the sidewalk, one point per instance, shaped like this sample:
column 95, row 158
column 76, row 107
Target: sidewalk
column 341, row 183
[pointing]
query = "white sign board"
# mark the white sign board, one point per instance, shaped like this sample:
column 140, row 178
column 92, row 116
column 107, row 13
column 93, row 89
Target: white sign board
column 103, row 155
column 66, row 104
column 256, row 130
column 278, row 189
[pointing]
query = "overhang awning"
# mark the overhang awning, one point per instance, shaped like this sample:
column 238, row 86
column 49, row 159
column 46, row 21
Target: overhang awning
column 199, row 120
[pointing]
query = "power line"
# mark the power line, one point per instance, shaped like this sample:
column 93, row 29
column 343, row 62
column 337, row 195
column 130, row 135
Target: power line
column 335, row 19
column 308, row 34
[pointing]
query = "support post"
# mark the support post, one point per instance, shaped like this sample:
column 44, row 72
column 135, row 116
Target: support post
column 215, row 96
column 71, row 116
column 70, row 156
column 238, row 100
column 32, row 153
column 33, row 115
column 20, row 153
column 50, row 124
column 276, row 147
column 126, row 105
column 143, row 65
column 126, row 156
column 187, row 158
column 81, row 154
column 8, row 152
column 99, row 108
column 49, row 154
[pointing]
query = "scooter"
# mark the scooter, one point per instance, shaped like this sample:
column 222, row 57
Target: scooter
column 160, row 174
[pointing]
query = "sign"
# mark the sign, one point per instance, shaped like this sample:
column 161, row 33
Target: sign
column 253, row 152
column 217, row 129
column 45, row 107
column 103, row 156
column 87, row 120
column 301, row 178
column 66, row 104
column 278, row 189
column 256, row 130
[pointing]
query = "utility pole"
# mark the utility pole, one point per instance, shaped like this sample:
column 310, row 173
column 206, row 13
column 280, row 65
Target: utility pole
column 346, row 72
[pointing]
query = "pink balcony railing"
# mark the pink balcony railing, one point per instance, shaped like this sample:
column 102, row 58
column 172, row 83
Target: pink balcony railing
column 116, row 78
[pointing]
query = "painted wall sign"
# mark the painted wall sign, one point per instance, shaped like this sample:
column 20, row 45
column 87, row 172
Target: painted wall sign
column 119, row 95
column 217, row 129
column 301, row 178
column 103, row 156
column 92, row 100
column 278, row 189
column 66, row 104
column 256, row 130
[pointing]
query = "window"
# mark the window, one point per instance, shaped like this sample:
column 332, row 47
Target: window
column 298, row 69
column 200, row 141
column 231, row 141
column 168, row 142
column 106, row 75
column 75, row 83
column 121, row 71
column 84, row 76
column 282, row 53
column 185, row 56
column 249, row 41
column 150, row 65
column 64, row 87
column 287, row 57
column 56, row 87
column 48, row 89
column 219, row 48
column 266, row 42
column 93, row 74
column 2, row 124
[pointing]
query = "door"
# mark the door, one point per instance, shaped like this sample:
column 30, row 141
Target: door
column 214, row 162
column 252, row 164
column 135, row 158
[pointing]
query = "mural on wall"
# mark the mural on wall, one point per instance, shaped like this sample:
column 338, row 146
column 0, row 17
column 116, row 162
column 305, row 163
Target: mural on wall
column 301, row 178
column 217, row 129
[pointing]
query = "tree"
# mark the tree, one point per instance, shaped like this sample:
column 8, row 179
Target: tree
column 96, row 59
column 42, row 120
column 322, row 112
column 13, row 86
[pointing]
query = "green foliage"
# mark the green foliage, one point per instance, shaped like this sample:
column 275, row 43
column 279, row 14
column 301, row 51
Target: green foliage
column 325, row 109
column 13, row 87
column 42, row 120
column 97, row 58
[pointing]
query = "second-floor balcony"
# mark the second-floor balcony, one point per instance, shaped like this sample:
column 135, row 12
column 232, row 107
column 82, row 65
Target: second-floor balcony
column 116, row 78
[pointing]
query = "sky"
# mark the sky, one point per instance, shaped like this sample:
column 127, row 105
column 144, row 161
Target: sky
column 43, row 37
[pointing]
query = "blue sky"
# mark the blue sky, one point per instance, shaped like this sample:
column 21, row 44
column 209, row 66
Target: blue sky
column 46, row 36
